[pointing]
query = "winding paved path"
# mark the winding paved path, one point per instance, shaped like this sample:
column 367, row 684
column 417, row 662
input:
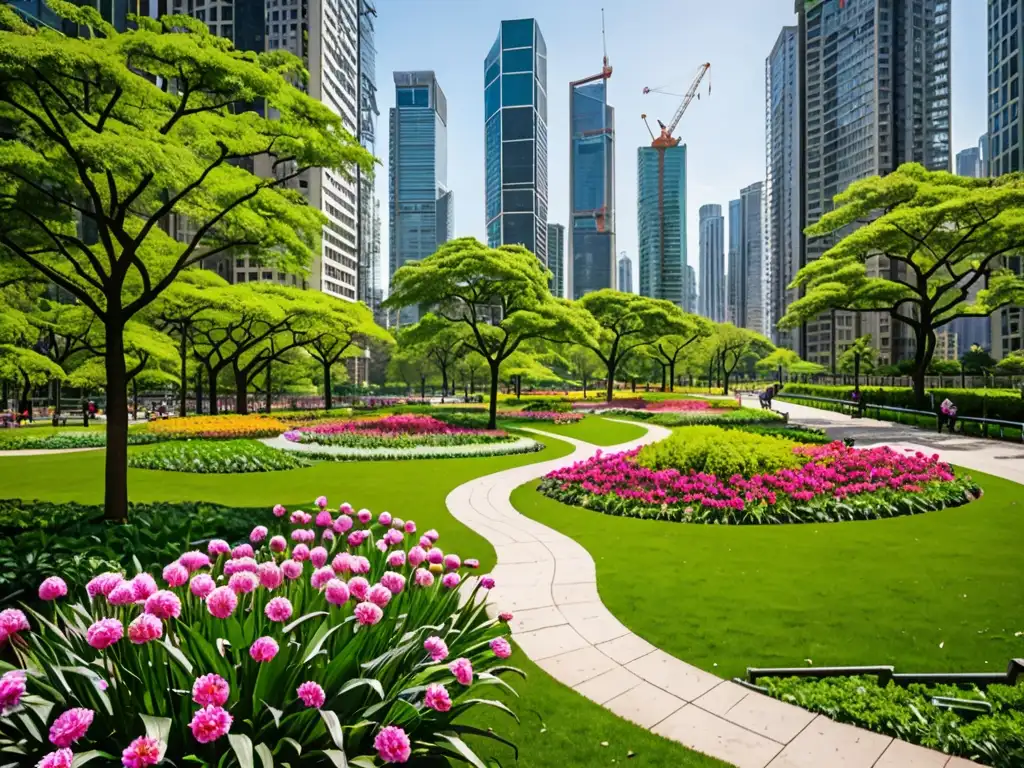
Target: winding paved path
column 549, row 582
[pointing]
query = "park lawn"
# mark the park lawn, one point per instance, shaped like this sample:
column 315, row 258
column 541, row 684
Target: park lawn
column 594, row 430
column 934, row 592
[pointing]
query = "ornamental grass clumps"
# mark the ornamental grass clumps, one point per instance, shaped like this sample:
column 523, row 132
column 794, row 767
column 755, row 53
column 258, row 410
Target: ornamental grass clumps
column 219, row 458
column 326, row 639
column 228, row 427
column 405, row 430
column 825, row 483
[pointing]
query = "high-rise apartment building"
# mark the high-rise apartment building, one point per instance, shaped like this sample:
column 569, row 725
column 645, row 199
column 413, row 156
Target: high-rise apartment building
column 661, row 222
column 556, row 259
column 875, row 86
column 420, row 205
column 712, row 263
column 625, row 273
column 516, row 138
column 782, row 189
column 369, row 284
column 691, row 298
column 736, row 291
column 1006, row 138
column 752, row 257
column 591, row 185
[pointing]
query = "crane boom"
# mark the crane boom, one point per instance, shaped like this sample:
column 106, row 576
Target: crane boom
column 671, row 127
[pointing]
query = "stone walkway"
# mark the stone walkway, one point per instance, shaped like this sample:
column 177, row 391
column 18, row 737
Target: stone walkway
column 549, row 583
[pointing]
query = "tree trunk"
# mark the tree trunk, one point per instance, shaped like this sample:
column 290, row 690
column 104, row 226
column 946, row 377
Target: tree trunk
column 610, row 386
column 199, row 391
column 672, row 376
column 241, row 393
column 472, row 383
column 584, row 385
column 423, row 387
column 212, row 380
column 57, row 404
column 115, row 499
column 270, row 397
column 664, row 383
column 725, row 376
column 856, row 372
column 922, row 359
column 327, row 387
column 25, row 403
column 135, row 400
column 492, row 408
column 444, row 383
column 183, row 352
column 634, row 384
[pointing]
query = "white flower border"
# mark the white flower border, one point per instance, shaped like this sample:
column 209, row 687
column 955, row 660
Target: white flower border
column 345, row 453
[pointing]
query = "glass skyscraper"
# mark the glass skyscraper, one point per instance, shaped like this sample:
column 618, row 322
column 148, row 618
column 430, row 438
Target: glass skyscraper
column 752, row 257
column 556, row 259
column 625, row 273
column 736, row 299
column 420, row 203
column 661, row 222
column 516, row 138
column 591, row 185
column 712, row 263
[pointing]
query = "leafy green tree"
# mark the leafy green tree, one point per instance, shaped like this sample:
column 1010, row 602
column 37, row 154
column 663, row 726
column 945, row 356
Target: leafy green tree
column 100, row 152
column 28, row 370
column 671, row 348
column 583, row 364
column 470, row 367
column 731, row 346
column 629, row 322
column 859, row 357
column 440, row 342
column 977, row 360
column 942, row 236
column 944, row 367
column 500, row 294
column 1011, row 365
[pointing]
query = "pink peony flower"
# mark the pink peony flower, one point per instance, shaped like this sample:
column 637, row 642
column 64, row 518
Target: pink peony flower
column 259, row 533
column 384, row 518
column 452, row 562
column 279, row 510
column 321, row 576
column 104, row 633
column 163, row 604
column 102, row 584
column 278, row 544
column 392, row 745
column 396, row 559
column 501, row 647
column 312, row 694
column 425, row 542
column 356, row 538
column 380, row 595
column 243, row 583
column 358, row 586
column 393, row 537
column 210, row 690
column 345, row 508
column 505, row 616
column 327, row 535
column 145, row 628
column 323, row 519
column 269, row 574
column 122, row 594
column 318, row 556
column 381, row 545
column 12, row 688
column 364, row 516
column 437, row 698
column 13, row 621
column 450, row 580
column 300, row 553
column 471, row 562
column 202, row 584
column 342, row 524
column 423, row 578
column 175, row 574
column 291, row 569
column 410, row 526
column 300, row 518
column 141, row 753
column 194, row 560
column 368, row 613
column 52, row 588
column 263, row 649
column 242, row 550
column 336, row 592
column 487, row 582
column 321, row 501
column 278, row 609
column 360, row 564
column 210, row 723
column 221, row 602
column 463, row 670
column 143, row 585
column 61, row 758
column 240, row 565
column 342, row 563
column 417, row 555
column 436, row 647
column 395, row 582
column 218, row 547
column 435, row 556
column 432, row 535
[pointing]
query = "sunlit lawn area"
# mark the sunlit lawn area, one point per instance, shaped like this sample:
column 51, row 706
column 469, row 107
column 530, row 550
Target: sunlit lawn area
column 594, row 429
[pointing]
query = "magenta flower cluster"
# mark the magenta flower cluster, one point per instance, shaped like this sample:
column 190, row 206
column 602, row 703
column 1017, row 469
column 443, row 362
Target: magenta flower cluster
column 389, row 426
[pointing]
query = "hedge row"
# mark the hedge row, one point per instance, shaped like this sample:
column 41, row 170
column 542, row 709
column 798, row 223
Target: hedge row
column 1002, row 403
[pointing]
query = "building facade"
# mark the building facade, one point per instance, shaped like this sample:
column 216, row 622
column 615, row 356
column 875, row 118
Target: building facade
column 968, row 163
column 420, row 205
column 369, row 286
column 516, row 138
column 712, row 263
column 1005, row 139
column 736, row 297
column 752, row 256
column 661, row 222
column 556, row 259
column 875, row 93
column 971, row 331
column 782, row 188
column 591, row 255
column 690, row 294
column 625, row 273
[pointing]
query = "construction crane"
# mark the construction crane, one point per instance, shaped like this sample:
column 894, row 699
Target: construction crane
column 666, row 139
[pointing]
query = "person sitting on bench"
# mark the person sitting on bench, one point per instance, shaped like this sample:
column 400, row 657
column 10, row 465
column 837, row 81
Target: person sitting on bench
column 947, row 415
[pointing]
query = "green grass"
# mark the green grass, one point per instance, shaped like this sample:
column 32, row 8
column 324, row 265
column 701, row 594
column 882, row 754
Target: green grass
column 933, row 592
column 594, row 429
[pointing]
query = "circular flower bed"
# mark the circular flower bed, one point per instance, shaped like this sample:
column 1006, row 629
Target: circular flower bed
column 830, row 483
column 222, row 457
column 369, row 655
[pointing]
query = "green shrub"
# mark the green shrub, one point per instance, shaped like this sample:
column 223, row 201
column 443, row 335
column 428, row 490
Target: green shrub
column 807, row 435
column 720, row 452
column 1004, row 404
column 995, row 739
column 466, row 418
column 12, row 440
column 735, row 417
column 17, row 515
column 218, row 458
column 559, row 405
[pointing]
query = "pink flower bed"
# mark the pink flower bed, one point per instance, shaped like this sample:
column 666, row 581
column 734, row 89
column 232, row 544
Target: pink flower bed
column 399, row 424
column 399, row 430
column 556, row 417
column 639, row 404
column 836, row 483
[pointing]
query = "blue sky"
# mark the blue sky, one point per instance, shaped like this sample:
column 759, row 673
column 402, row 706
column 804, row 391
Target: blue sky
column 650, row 43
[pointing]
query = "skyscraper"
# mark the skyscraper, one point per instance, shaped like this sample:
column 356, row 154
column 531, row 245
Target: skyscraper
column 421, row 205
column 369, row 283
column 968, row 162
column 1005, row 139
column 516, row 137
column 712, row 263
column 752, row 256
column 661, row 221
column 625, row 273
column 591, row 185
column 782, row 123
column 875, row 80
column 556, row 259
column 736, row 307
column 690, row 290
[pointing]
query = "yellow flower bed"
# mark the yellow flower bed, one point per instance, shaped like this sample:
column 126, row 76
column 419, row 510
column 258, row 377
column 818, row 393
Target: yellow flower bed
column 227, row 427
